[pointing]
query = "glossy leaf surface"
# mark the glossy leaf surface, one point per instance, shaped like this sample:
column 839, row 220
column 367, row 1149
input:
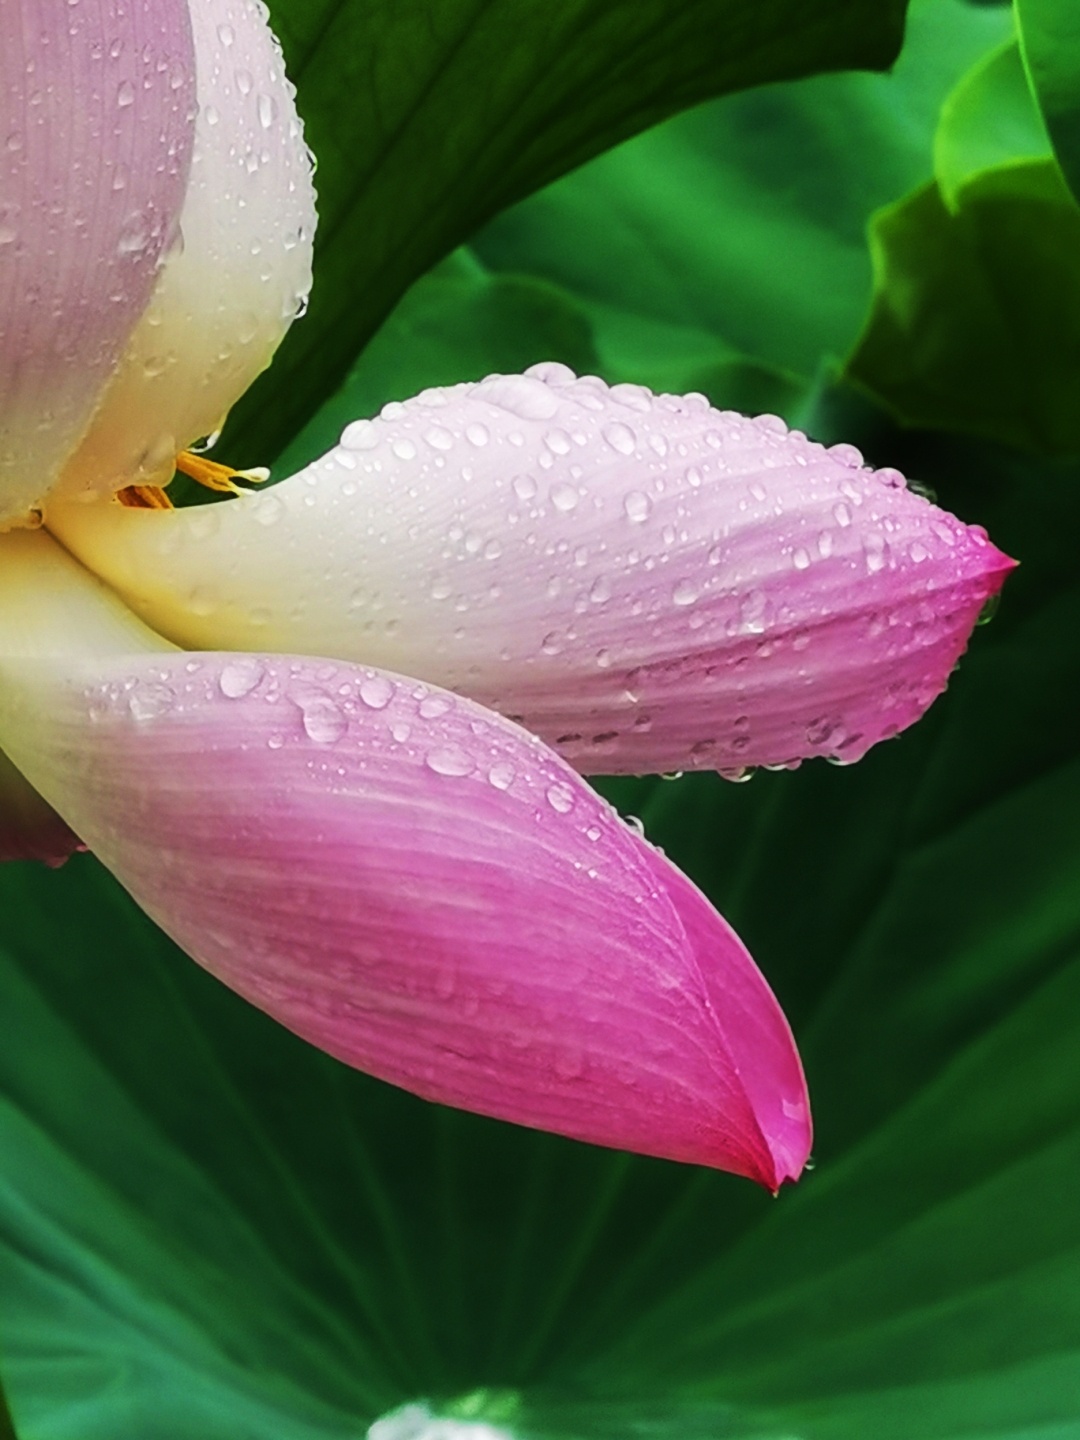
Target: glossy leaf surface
column 429, row 118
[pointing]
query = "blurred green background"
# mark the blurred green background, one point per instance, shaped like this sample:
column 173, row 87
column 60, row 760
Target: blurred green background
column 208, row 1229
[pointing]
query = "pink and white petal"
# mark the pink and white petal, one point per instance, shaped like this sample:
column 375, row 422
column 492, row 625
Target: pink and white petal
column 643, row 581
column 97, row 107
column 422, row 889
column 226, row 297
column 30, row 829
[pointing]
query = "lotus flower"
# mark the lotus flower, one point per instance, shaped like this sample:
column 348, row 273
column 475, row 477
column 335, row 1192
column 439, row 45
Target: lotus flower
column 388, row 846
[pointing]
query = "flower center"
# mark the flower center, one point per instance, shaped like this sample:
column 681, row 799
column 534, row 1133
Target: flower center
column 207, row 473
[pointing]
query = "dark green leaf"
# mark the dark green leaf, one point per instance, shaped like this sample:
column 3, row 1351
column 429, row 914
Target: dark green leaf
column 739, row 229
column 206, row 1228
column 428, row 118
column 1050, row 38
column 975, row 326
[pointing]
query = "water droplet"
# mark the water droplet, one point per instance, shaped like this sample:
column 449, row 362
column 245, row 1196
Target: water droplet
column 593, row 833
column 439, row 439
column 244, row 81
column 404, row 449
column 600, row 591
column 267, row 108
column 323, row 720
column 125, row 94
column 477, row 435
column 376, row 691
column 268, row 509
column 432, row 706
column 658, row 444
column 685, row 592
column 502, row 775
column 637, row 506
column 523, row 395
column 919, row 552
column 874, row 549
column 360, row 435
column 524, row 487
column 149, row 701
column 492, row 550
column 561, row 798
column 842, row 515
column 634, row 397
column 620, row 437
column 226, row 34
column 449, row 760
column 240, row 678
column 564, row 498
column 551, row 643
column 558, row 442
column 801, row 559
column 846, row 455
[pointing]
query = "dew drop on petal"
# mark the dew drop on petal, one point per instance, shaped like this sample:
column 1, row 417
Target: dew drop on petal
column 620, row 437
column 502, row 775
column 449, row 760
column 148, row 702
column 240, row 678
column 561, row 798
column 323, row 720
column 637, row 506
column 376, row 692
column 432, row 706
column 685, row 592
column 360, row 435
column 564, row 498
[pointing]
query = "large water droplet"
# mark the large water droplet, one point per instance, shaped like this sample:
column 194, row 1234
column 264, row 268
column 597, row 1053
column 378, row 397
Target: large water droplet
column 524, row 487
column 564, row 498
column 149, row 701
column 561, row 798
column 501, row 775
column 620, row 437
column 360, row 435
column 323, row 720
column 125, row 94
column 432, row 706
column 240, row 678
column 637, row 506
column 376, row 691
column 450, row 760
column 685, row 592
column 524, row 395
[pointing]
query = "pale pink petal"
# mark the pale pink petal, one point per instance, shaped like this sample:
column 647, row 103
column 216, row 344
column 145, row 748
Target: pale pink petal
column 645, row 582
column 30, row 829
column 226, row 297
column 97, row 107
column 422, row 889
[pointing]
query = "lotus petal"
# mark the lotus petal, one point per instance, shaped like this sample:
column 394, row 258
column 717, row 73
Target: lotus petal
column 97, row 107
column 407, row 880
column 228, row 293
column 643, row 581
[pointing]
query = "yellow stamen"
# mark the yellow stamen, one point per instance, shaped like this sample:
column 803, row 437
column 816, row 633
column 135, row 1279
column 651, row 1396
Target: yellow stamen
column 144, row 497
column 215, row 476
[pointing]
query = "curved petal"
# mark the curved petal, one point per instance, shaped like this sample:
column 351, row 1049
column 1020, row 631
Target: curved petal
column 96, row 126
column 226, row 296
column 405, row 879
column 646, row 583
